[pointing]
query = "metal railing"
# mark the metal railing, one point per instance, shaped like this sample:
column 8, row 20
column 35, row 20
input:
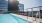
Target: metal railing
column 37, row 14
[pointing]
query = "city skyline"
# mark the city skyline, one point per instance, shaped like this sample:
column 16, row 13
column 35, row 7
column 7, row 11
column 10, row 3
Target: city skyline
column 30, row 3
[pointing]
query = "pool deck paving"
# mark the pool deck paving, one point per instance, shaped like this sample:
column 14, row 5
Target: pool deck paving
column 31, row 19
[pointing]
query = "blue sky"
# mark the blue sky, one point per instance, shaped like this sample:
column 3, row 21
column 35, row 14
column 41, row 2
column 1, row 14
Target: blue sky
column 30, row 3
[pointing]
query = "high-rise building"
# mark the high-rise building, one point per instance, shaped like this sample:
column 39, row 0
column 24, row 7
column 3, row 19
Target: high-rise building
column 3, row 6
column 8, row 6
column 21, row 7
column 13, row 5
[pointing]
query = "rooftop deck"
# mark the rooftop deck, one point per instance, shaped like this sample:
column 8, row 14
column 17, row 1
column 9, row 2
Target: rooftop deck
column 31, row 19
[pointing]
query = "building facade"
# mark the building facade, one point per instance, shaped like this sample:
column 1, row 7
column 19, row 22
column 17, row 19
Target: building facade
column 3, row 6
column 21, row 7
column 13, row 5
column 7, row 6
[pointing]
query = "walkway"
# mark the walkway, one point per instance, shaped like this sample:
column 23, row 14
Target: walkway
column 29, row 18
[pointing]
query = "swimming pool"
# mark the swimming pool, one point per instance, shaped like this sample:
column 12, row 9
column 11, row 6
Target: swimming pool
column 8, row 18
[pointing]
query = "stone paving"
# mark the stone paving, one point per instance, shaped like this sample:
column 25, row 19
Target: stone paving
column 31, row 19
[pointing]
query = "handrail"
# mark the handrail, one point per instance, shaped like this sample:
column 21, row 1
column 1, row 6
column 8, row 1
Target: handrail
column 38, row 12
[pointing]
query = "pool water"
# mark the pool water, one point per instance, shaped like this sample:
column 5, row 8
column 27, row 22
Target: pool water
column 8, row 18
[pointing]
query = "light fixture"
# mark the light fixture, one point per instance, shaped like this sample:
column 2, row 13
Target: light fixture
column 11, row 0
column 6, row 0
